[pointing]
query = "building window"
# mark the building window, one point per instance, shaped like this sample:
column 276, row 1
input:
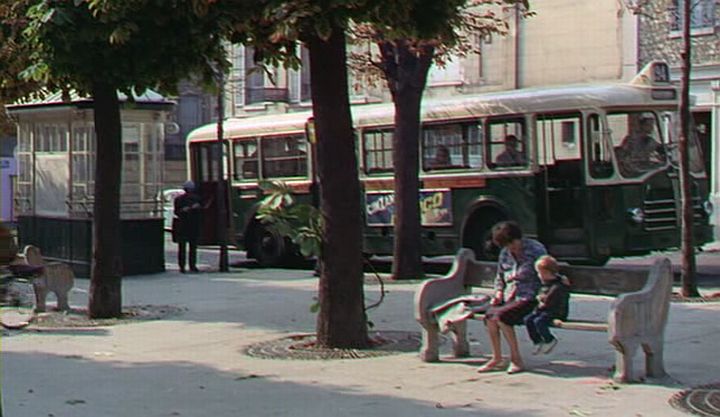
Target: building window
column 702, row 15
column 254, row 79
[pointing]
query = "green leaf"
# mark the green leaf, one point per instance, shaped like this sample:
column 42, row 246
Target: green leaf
column 308, row 247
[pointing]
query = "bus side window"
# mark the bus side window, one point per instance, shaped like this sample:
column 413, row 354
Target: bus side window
column 246, row 160
column 600, row 162
column 377, row 150
column 507, row 145
column 451, row 146
column 284, row 156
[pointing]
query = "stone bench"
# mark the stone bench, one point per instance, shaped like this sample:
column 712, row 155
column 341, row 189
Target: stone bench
column 46, row 277
column 637, row 317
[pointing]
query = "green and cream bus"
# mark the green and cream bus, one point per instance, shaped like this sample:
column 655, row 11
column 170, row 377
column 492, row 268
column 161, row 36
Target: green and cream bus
column 590, row 170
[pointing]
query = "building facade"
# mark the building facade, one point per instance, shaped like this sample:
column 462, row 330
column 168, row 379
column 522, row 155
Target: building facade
column 565, row 42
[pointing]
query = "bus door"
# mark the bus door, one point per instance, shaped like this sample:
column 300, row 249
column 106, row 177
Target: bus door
column 600, row 192
column 559, row 153
column 205, row 160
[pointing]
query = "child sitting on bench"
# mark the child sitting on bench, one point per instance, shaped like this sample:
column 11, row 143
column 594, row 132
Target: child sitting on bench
column 553, row 300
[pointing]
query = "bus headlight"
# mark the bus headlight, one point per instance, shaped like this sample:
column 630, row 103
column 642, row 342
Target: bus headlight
column 708, row 207
column 636, row 215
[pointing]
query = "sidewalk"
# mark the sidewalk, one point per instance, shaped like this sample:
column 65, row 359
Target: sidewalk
column 192, row 364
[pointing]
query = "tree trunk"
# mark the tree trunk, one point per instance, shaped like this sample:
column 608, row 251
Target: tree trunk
column 105, row 280
column 688, row 266
column 341, row 322
column 406, row 73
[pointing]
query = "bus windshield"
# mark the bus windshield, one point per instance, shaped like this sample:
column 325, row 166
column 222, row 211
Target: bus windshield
column 639, row 146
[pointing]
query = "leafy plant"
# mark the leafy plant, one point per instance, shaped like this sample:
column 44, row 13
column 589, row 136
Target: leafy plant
column 300, row 222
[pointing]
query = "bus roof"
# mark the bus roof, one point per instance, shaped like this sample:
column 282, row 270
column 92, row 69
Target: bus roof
column 286, row 123
column 535, row 100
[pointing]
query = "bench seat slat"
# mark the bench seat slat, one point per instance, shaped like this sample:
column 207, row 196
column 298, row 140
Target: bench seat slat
column 588, row 325
column 593, row 326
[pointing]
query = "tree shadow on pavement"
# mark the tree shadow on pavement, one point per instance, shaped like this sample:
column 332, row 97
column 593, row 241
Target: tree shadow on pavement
column 40, row 384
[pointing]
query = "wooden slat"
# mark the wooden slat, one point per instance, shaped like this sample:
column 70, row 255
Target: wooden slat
column 593, row 326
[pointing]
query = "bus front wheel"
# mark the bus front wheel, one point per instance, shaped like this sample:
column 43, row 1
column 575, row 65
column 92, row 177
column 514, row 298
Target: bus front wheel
column 268, row 247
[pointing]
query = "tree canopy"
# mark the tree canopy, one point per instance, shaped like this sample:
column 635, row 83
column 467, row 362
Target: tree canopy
column 97, row 48
column 134, row 45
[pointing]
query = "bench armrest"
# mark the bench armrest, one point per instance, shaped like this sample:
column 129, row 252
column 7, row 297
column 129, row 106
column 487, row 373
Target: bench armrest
column 645, row 311
column 433, row 292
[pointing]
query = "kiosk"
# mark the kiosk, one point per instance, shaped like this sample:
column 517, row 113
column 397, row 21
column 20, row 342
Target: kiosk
column 54, row 187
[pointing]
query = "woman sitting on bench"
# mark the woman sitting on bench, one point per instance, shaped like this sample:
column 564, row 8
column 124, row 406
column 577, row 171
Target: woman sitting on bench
column 516, row 286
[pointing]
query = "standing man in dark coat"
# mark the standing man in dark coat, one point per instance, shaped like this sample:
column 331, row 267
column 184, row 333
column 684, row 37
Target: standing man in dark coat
column 186, row 225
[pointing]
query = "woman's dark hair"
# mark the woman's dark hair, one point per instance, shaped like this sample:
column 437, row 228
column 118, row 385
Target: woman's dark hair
column 505, row 232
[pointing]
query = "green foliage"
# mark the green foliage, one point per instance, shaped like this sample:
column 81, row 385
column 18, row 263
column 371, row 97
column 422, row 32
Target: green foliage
column 300, row 222
column 133, row 45
column 14, row 52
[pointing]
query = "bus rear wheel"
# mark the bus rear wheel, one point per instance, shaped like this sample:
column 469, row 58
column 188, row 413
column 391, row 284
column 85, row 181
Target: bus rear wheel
column 478, row 235
column 268, row 247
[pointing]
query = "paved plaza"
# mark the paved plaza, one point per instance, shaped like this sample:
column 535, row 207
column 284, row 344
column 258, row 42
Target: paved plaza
column 194, row 362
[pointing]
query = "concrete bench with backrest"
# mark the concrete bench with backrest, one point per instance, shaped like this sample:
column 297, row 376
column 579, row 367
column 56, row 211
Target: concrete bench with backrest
column 47, row 277
column 637, row 317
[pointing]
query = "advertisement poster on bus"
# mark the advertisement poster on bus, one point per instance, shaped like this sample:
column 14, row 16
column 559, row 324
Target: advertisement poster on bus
column 435, row 208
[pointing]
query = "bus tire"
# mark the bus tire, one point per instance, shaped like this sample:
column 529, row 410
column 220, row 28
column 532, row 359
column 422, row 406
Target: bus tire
column 268, row 247
column 478, row 234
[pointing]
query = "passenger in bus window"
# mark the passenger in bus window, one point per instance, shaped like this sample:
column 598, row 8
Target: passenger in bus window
column 441, row 159
column 511, row 156
column 187, row 210
column 516, row 288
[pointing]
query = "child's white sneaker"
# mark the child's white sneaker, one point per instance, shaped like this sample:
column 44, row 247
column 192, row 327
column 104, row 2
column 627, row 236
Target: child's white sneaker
column 538, row 348
column 548, row 347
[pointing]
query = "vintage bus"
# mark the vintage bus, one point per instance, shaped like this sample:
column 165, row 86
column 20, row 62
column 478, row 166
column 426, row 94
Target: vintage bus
column 590, row 170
